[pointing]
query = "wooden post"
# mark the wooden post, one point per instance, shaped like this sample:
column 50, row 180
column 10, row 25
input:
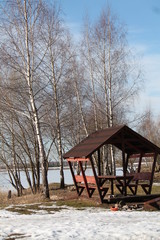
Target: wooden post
column 153, row 169
column 139, row 169
column 124, row 165
column 140, row 161
column 9, row 194
column 99, row 163
column 73, row 176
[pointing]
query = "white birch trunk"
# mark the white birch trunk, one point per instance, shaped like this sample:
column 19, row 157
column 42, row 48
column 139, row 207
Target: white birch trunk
column 35, row 117
column 110, row 97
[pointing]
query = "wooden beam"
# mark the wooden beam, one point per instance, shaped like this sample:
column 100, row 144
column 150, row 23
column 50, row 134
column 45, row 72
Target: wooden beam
column 140, row 161
column 132, row 146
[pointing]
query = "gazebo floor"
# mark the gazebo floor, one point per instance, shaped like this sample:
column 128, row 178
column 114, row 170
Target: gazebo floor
column 131, row 198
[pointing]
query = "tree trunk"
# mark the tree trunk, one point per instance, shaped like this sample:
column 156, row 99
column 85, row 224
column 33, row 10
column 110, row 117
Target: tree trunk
column 35, row 117
column 110, row 99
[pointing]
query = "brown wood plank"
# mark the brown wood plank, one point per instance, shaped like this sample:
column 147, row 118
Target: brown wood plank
column 133, row 198
column 142, row 176
column 77, row 159
column 153, row 200
column 152, row 204
column 144, row 155
column 90, row 179
column 79, row 178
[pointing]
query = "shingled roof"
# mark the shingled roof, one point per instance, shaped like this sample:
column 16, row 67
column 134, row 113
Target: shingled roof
column 120, row 136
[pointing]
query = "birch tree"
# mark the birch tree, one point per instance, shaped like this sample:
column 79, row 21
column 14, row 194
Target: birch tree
column 57, row 69
column 112, row 74
column 17, row 132
column 21, row 51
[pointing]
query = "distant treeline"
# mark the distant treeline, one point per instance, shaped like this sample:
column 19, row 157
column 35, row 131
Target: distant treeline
column 50, row 164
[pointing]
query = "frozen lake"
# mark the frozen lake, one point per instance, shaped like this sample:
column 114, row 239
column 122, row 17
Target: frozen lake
column 53, row 177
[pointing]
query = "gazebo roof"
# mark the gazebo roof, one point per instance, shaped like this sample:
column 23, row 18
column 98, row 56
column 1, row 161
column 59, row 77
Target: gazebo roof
column 119, row 136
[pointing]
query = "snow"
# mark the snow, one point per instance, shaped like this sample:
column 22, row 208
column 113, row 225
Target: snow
column 89, row 223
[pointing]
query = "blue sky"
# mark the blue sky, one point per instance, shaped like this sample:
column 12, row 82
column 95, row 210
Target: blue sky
column 142, row 19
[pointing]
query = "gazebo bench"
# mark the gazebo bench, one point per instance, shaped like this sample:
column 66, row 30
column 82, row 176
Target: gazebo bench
column 142, row 179
column 90, row 184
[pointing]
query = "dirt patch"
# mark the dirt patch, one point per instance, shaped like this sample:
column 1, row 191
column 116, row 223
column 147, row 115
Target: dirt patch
column 15, row 236
column 49, row 208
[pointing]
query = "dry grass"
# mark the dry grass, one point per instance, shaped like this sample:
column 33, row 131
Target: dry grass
column 27, row 198
column 31, row 203
column 3, row 198
column 66, row 196
column 157, row 177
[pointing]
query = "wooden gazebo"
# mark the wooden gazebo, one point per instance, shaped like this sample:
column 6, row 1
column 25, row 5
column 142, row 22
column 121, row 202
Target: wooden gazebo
column 131, row 144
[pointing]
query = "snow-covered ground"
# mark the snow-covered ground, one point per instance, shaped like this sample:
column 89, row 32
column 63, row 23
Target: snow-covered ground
column 89, row 223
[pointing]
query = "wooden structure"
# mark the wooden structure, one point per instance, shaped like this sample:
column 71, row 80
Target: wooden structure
column 131, row 144
column 152, row 204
